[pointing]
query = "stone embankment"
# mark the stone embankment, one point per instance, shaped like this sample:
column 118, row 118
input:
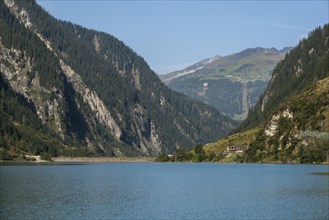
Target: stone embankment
column 103, row 159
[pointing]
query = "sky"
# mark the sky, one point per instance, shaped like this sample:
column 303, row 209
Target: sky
column 171, row 35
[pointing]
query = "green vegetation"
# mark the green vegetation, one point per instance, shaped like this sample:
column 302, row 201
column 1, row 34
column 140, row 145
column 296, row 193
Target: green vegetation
column 46, row 157
column 235, row 82
column 238, row 139
column 20, row 128
column 251, row 66
column 180, row 155
column 199, row 154
column 299, row 86
column 140, row 105
column 52, row 118
column 302, row 67
column 303, row 138
column 162, row 158
column 293, row 126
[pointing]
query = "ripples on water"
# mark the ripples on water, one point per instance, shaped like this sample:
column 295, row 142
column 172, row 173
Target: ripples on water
column 163, row 191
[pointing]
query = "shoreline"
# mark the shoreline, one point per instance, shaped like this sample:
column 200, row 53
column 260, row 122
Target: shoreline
column 63, row 159
column 104, row 159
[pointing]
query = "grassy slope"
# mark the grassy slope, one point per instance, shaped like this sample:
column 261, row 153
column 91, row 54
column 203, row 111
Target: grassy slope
column 310, row 124
column 245, row 137
column 260, row 70
column 227, row 78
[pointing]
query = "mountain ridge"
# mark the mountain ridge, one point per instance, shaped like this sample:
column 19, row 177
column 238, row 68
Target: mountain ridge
column 290, row 122
column 232, row 83
column 249, row 51
column 93, row 91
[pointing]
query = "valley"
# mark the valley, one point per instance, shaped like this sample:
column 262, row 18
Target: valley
column 290, row 122
column 68, row 91
column 232, row 84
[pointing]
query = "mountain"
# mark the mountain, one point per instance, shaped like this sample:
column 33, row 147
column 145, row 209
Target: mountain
column 290, row 122
column 232, row 84
column 68, row 90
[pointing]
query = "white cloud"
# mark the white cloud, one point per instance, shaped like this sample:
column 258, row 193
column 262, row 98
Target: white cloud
column 280, row 25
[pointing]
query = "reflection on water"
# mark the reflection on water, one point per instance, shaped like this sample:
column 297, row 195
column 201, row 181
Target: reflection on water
column 163, row 190
column 321, row 173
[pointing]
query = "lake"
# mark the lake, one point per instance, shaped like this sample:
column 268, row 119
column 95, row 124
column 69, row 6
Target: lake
column 163, row 191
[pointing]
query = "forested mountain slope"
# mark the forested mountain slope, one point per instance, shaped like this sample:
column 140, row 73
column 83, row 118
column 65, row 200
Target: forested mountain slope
column 232, row 84
column 290, row 124
column 302, row 67
column 79, row 90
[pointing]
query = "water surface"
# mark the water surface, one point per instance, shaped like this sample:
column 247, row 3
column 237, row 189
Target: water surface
column 163, row 191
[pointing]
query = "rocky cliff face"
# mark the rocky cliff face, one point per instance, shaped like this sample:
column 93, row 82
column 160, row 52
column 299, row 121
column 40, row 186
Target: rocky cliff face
column 299, row 132
column 94, row 92
column 290, row 122
column 302, row 67
column 293, row 111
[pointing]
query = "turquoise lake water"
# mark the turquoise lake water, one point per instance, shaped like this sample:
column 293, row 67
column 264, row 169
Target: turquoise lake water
column 163, row 191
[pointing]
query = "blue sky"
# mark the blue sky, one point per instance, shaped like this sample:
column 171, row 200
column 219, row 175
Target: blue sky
column 171, row 35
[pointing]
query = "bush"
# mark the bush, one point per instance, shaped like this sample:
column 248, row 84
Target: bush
column 315, row 153
column 183, row 155
column 200, row 154
column 4, row 155
column 198, row 158
column 220, row 156
column 46, row 157
column 162, row 158
column 211, row 156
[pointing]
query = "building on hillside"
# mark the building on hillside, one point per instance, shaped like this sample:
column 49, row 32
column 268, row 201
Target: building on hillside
column 237, row 149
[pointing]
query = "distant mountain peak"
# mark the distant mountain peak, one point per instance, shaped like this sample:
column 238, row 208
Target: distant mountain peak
column 244, row 76
column 210, row 60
